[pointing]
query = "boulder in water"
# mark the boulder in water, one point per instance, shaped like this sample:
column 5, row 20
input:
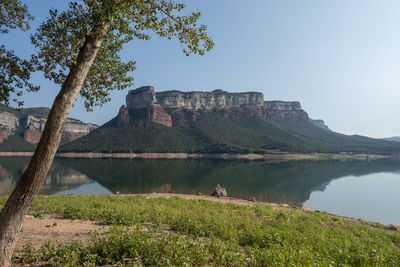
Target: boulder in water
column 219, row 192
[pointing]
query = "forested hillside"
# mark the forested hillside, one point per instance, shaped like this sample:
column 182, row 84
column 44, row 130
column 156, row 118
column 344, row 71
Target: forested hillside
column 214, row 133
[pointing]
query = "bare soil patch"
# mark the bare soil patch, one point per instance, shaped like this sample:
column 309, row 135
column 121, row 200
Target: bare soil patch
column 54, row 229
column 250, row 202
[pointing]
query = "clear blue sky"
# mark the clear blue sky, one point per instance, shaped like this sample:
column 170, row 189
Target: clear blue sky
column 340, row 59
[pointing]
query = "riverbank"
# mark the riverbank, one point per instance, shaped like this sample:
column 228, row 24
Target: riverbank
column 167, row 230
column 273, row 156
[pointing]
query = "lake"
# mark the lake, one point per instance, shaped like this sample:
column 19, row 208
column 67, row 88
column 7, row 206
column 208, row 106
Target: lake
column 358, row 189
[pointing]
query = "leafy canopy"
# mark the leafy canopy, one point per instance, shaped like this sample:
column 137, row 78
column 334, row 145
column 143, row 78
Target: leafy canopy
column 14, row 71
column 59, row 39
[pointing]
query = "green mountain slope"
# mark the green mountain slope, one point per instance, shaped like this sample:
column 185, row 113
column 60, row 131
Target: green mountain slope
column 213, row 133
column 40, row 112
column 16, row 143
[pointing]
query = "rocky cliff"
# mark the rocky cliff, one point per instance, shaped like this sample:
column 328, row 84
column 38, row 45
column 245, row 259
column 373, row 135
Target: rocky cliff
column 176, row 106
column 29, row 124
column 283, row 110
column 142, row 103
column 217, row 99
column 320, row 123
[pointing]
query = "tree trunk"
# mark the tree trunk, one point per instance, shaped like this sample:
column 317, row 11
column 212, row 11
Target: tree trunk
column 14, row 211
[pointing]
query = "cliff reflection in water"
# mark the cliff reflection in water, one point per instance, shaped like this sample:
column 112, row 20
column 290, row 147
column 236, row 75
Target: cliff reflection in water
column 60, row 177
column 290, row 182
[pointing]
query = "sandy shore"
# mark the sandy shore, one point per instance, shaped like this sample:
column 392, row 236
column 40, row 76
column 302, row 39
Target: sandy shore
column 162, row 155
column 143, row 155
column 271, row 157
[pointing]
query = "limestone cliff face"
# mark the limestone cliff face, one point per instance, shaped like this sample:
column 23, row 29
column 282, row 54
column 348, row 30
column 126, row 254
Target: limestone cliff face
column 9, row 121
column 141, row 97
column 74, row 129
column 217, row 99
column 32, row 122
column 176, row 106
column 142, row 103
column 30, row 127
column 9, row 124
column 284, row 110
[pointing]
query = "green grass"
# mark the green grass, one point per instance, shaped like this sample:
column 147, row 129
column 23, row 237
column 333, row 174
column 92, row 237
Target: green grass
column 198, row 232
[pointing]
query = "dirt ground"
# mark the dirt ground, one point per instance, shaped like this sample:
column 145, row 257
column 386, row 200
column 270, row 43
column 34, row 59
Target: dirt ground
column 249, row 202
column 56, row 229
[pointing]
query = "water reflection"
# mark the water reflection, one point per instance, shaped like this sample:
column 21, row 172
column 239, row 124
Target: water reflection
column 60, row 177
column 290, row 182
column 365, row 189
column 371, row 197
column 86, row 189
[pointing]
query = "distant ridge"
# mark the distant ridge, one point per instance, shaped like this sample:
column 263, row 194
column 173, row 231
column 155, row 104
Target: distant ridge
column 394, row 138
column 20, row 131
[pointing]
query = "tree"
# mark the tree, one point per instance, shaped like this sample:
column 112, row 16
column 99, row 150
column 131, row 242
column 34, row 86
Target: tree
column 79, row 49
column 14, row 71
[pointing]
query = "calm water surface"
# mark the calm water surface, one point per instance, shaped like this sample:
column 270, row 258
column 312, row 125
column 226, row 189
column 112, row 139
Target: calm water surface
column 359, row 189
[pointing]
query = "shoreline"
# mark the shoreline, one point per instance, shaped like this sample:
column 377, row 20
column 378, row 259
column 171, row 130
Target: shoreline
column 272, row 157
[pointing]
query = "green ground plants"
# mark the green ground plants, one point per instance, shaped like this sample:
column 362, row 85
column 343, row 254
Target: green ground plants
column 174, row 231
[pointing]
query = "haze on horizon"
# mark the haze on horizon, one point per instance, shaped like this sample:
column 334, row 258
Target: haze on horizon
column 340, row 59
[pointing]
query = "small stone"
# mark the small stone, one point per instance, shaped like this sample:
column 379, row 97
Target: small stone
column 48, row 225
column 392, row 227
column 54, row 224
column 199, row 194
column 282, row 215
column 29, row 217
column 253, row 199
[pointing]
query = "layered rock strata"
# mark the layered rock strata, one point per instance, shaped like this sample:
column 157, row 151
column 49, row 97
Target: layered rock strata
column 217, row 99
column 74, row 129
column 30, row 127
column 142, row 103
column 283, row 110
column 176, row 106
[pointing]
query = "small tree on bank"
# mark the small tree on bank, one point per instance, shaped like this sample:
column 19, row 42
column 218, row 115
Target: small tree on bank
column 79, row 49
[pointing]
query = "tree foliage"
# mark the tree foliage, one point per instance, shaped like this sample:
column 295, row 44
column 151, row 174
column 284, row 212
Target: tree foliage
column 61, row 36
column 15, row 72
column 13, row 14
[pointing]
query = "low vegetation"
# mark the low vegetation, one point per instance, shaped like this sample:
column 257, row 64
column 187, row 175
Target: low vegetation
column 213, row 133
column 175, row 231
